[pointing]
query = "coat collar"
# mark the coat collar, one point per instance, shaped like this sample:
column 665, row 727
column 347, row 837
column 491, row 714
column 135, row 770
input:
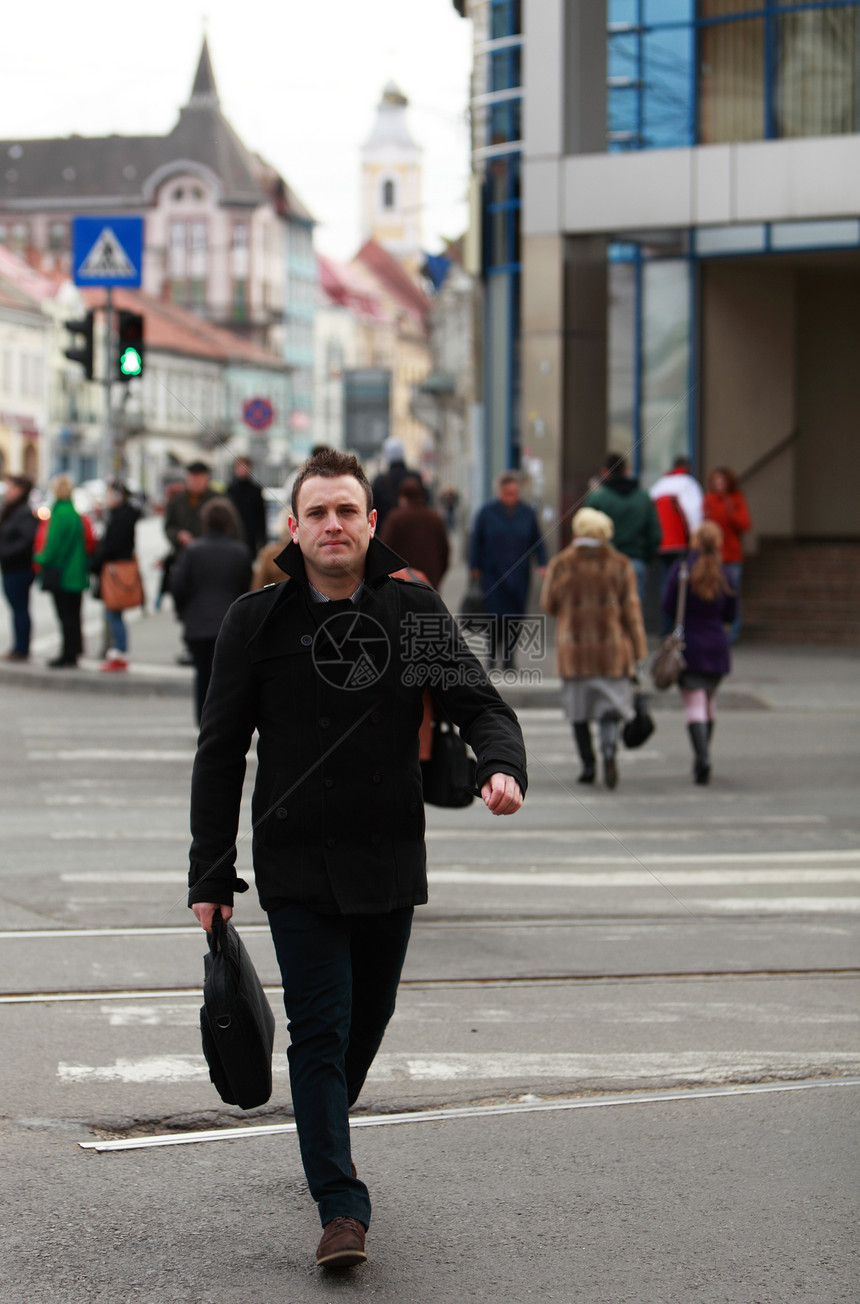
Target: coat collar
column 379, row 564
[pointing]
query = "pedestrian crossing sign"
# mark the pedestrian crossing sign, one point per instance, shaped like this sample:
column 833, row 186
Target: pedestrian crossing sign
column 107, row 251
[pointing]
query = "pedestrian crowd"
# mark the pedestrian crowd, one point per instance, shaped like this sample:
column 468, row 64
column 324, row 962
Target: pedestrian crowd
column 595, row 588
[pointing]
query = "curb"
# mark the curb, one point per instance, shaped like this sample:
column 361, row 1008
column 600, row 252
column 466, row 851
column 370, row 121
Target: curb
column 149, row 683
column 84, row 680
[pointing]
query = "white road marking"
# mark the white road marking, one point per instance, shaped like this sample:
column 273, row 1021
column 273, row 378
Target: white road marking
column 145, row 754
column 692, row 1066
column 528, row 1105
column 634, row 877
column 780, row 905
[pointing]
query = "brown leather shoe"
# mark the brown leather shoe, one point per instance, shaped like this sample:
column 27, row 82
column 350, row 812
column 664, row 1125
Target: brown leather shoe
column 342, row 1244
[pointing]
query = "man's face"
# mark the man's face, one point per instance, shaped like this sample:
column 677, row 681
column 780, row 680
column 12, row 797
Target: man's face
column 509, row 493
column 198, row 481
column 333, row 528
column 241, row 470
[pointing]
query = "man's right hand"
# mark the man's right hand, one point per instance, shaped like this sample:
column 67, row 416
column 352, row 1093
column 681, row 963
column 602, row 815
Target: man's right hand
column 205, row 910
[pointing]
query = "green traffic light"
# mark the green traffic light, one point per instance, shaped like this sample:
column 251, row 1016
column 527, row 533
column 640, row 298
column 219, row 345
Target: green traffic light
column 130, row 362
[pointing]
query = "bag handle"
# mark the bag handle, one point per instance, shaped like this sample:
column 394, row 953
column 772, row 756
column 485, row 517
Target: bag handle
column 681, row 604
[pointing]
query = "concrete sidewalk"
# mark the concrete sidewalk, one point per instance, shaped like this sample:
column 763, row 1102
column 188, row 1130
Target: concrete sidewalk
column 765, row 677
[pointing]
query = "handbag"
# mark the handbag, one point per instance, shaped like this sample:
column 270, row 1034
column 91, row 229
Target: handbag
column 236, row 1021
column 449, row 777
column 120, row 585
column 473, row 602
column 669, row 662
column 51, row 577
column 640, row 728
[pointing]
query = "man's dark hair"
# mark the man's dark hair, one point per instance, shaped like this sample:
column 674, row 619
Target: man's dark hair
column 331, row 463
column 615, row 464
column 220, row 515
column 22, row 482
column 681, row 463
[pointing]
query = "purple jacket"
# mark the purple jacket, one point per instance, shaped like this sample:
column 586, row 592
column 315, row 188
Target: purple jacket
column 707, row 649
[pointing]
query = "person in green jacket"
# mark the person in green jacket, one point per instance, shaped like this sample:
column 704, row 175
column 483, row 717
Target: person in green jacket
column 637, row 525
column 63, row 558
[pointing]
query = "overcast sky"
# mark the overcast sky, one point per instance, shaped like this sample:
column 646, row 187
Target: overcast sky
column 298, row 79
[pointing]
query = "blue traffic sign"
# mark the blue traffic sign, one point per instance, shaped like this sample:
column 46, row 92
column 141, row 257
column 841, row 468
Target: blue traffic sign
column 107, row 251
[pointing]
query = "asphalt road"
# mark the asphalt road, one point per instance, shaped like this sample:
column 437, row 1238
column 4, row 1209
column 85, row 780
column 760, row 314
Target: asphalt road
column 626, row 1042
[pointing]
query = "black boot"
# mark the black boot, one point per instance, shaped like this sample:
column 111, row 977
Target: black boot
column 582, row 735
column 701, row 763
column 608, row 745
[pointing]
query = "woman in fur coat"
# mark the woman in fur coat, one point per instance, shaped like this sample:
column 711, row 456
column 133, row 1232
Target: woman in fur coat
column 592, row 591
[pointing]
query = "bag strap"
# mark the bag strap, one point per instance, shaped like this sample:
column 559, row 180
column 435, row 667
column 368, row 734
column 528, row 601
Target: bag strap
column 681, row 604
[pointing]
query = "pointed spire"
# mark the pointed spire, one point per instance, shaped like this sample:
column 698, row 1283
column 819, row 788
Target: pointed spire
column 204, row 92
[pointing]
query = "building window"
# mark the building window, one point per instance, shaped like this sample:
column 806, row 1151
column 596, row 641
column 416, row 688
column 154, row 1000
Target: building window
column 198, row 295
column 388, row 194
column 240, row 235
column 177, row 293
column 57, row 237
column 20, row 238
column 719, row 71
column 240, row 300
column 817, row 72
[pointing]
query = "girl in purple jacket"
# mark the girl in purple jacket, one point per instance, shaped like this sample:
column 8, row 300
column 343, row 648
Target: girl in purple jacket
column 710, row 611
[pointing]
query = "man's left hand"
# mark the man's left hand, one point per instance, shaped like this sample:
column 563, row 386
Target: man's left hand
column 501, row 795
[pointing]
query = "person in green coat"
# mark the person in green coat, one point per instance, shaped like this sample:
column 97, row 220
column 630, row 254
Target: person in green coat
column 637, row 526
column 64, row 553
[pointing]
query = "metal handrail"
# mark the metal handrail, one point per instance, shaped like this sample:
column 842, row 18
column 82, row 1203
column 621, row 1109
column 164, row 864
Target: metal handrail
column 769, row 456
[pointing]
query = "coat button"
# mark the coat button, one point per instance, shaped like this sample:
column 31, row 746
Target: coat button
column 307, row 639
column 281, row 813
column 375, row 717
column 325, row 722
column 376, row 778
column 375, row 839
column 328, row 783
column 330, row 842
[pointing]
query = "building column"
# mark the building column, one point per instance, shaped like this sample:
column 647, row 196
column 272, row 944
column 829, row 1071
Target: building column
column 564, row 278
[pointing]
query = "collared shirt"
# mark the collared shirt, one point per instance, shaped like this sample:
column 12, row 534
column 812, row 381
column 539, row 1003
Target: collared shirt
column 316, row 596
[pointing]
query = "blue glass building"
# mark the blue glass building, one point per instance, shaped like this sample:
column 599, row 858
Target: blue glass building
column 671, row 244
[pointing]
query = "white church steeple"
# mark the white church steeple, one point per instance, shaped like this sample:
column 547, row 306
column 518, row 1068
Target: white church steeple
column 391, row 181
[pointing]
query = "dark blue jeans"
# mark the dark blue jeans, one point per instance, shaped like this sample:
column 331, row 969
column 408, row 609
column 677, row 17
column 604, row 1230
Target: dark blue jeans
column 340, row 976
column 16, row 586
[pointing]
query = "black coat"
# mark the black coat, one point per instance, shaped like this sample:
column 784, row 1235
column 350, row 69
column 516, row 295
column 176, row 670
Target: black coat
column 117, row 542
column 17, row 536
column 247, row 497
column 337, row 811
column 211, row 573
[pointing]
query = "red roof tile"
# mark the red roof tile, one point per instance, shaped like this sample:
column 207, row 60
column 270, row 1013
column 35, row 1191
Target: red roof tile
column 397, row 282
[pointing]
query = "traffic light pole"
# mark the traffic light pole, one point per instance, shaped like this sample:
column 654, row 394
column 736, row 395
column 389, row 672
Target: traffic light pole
column 107, row 451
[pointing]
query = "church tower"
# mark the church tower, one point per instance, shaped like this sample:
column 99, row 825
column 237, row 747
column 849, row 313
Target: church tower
column 391, row 182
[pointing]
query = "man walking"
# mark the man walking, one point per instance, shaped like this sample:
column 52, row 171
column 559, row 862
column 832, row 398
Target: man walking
column 330, row 669
column 679, row 500
column 247, row 497
column 387, row 484
column 637, row 526
column 182, row 524
column 505, row 535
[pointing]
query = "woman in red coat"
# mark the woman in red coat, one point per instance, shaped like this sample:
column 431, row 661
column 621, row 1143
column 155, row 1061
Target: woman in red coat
column 726, row 505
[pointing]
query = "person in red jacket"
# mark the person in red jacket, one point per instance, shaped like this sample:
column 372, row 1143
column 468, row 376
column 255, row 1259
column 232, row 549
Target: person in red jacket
column 725, row 504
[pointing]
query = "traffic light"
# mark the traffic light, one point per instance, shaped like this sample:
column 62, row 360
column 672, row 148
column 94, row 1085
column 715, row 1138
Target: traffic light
column 130, row 345
column 84, row 354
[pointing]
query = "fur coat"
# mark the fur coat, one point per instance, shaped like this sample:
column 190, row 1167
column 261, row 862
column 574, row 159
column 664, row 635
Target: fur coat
column 592, row 590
